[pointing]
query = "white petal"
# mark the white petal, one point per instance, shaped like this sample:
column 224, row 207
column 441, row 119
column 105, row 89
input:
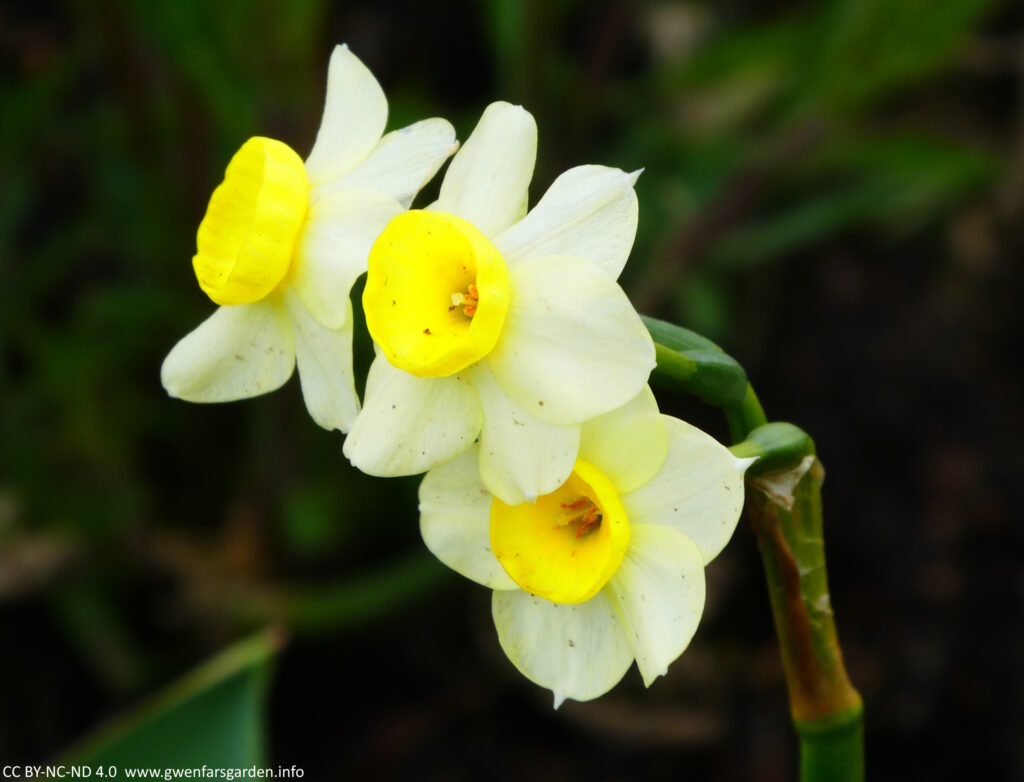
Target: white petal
column 409, row 424
column 325, row 366
column 572, row 346
column 404, row 160
column 341, row 226
column 628, row 444
column 488, row 179
column 455, row 521
column 588, row 212
column 521, row 456
column 698, row 490
column 659, row 593
column 576, row 651
column 236, row 353
column 355, row 113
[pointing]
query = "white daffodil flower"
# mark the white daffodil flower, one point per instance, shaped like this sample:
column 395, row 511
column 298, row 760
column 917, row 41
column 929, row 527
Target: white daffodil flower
column 493, row 323
column 283, row 241
column 607, row 568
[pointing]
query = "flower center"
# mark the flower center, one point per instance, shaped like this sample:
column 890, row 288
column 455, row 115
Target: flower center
column 436, row 293
column 468, row 301
column 565, row 546
column 248, row 235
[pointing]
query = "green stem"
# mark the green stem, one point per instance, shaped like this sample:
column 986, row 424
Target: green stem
column 745, row 416
column 785, row 511
column 833, row 749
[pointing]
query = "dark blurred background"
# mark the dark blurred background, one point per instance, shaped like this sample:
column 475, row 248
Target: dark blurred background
column 834, row 191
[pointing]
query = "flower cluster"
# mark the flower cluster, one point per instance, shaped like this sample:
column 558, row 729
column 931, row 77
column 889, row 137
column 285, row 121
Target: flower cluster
column 510, row 367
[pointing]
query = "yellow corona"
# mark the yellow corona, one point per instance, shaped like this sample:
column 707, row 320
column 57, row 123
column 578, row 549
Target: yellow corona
column 247, row 237
column 565, row 546
column 436, row 293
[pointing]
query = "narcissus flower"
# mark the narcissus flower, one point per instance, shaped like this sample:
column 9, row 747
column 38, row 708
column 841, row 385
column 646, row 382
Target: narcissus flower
column 495, row 323
column 283, row 241
column 607, row 568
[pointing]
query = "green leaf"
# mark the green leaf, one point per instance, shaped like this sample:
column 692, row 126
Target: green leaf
column 507, row 25
column 689, row 363
column 797, row 226
column 191, row 37
column 213, row 716
column 896, row 183
column 333, row 607
column 738, row 54
column 868, row 49
column 676, row 337
column 777, row 446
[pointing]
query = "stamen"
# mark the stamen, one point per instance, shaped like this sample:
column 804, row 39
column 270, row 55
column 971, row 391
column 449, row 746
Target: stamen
column 471, row 299
column 586, row 522
column 589, row 521
column 582, row 502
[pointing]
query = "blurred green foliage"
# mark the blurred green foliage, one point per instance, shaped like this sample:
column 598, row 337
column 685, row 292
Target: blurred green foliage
column 213, row 716
column 762, row 132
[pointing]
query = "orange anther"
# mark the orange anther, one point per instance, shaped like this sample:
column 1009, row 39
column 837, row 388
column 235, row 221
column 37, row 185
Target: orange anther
column 582, row 502
column 588, row 522
column 470, row 300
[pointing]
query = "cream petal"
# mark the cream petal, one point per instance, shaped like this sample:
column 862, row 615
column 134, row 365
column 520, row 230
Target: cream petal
column 572, row 346
column 576, row 651
column 521, row 456
column 355, row 113
column 658, row 592
column 488, row 180
column 628, row 444
column 341, row 226
column 409, row 424
column 455, row 521
column 698, row 490
column 403, row 161
column 324, row 358
column 588, row 212
column 236, row 353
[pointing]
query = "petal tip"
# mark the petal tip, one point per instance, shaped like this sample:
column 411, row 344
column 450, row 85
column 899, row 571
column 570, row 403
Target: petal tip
column 507, row 105
column 440, row 122
column 559, row 698
column 343, row 424
column 167, row 378
column 518, row 108
column 742, row 465
column 635, row 175
column 650, row 677
column 341, row 50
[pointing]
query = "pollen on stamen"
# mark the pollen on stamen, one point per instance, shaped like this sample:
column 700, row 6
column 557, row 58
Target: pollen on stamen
column 471, row 300
column 586, row 522
column 582, row 502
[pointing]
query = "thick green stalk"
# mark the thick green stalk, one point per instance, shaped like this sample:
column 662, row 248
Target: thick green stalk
column 833, row 749
column 785, row 511
column 784, row 503
column 745, row 416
